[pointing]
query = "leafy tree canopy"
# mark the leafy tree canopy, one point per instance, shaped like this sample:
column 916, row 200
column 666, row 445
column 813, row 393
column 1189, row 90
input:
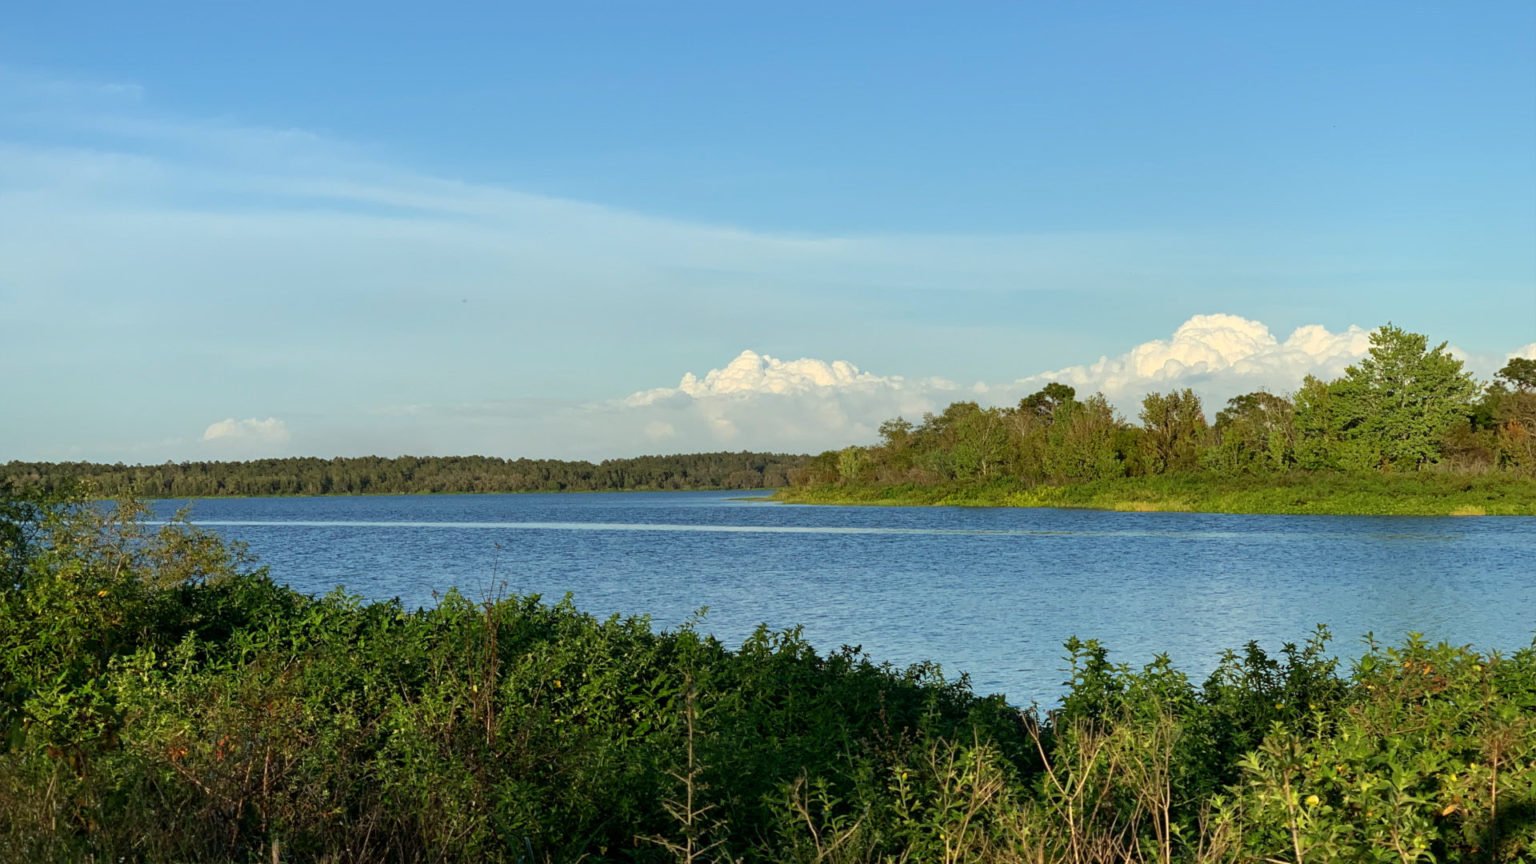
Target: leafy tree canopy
column 1401, row 398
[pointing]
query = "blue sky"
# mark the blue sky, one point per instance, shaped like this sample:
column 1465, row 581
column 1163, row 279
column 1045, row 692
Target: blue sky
column 230, row 230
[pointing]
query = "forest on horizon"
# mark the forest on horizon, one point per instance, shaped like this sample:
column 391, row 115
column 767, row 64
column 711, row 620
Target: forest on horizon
column 402, row 475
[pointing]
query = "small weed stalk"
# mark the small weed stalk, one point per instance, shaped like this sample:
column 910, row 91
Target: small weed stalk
column 1079, row 797
column 689, row 812
column 834, row 839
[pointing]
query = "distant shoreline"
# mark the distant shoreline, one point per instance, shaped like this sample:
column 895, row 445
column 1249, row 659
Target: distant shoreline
column 767, row 497
column 409, row 475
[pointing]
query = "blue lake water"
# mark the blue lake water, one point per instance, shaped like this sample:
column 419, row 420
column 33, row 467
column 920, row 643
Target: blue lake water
column 989, row 592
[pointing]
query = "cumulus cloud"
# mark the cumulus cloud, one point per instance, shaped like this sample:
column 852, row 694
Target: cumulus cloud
column 1528, row 352
column 761, row 402
column 757, row 401
column 268, row 431
column 1218, row 356
column 757, row 374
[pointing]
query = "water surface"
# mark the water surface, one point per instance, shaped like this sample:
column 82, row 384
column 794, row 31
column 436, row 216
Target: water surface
column 989, row 592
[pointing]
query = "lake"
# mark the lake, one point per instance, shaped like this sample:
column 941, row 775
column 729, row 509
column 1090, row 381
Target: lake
column 988, row 592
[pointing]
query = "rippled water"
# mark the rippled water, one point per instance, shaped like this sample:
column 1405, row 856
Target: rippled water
column 989, row 592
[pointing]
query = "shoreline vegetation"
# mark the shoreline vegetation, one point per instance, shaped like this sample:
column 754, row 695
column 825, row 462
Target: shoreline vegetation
column 1405, row 431
column 1298, row 493
column 163, row 701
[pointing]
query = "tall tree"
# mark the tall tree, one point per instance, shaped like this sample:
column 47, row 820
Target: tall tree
column 1175, row 426
column 1401, row 398
column 1081, row 442
column 1319, row 432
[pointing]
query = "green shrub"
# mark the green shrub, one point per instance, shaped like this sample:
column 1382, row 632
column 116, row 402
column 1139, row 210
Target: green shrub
column 163, row 702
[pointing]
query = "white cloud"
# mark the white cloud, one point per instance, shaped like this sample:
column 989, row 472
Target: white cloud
column 757, row 374
column 1528, row 352
column 1218, row 356
column 304, row 255
column 761, row 402
column 268, row 431
column 657, row 430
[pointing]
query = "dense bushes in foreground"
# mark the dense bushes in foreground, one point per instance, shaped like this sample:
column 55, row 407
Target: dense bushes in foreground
column 160, row 702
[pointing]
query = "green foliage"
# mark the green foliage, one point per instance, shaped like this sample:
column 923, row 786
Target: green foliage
column 165, row 703
column 1519, row 374
column 1081, row 441
column 1395, row 405
column 151, row 683
column 1044, row 402
column 1175, row 430
column 1403, row 407
column 1372, row 493
column 410, row 475
column 1255, row 433
column 1509, row 409
column 1432, row 761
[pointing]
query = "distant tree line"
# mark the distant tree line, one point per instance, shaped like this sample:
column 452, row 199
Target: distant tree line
column 411, row 475
column 1403, row 407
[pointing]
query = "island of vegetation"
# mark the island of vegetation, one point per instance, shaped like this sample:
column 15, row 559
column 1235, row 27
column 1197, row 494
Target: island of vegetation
column 410, row 475
column 161, row 701
column 1404, row 431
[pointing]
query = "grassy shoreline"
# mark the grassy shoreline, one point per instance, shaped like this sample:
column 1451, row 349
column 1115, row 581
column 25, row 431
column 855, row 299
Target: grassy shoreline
column 1299, row 493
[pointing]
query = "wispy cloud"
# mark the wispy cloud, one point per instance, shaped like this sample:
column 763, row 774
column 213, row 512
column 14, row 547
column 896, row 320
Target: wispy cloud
column 287, row 267
column 277, row 262
column 21, row 90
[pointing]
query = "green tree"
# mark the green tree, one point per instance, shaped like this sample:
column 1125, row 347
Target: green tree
column 966, row 442
column 1511, row 402
column 1397, row 403
column 1044, row 402
column 1175, row 427
column 896, row 453
column 1028, row 426
column 1081, row 442
column 853, row 463
column 1519, row 374
column 1255, row 432
column 1319, row 431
